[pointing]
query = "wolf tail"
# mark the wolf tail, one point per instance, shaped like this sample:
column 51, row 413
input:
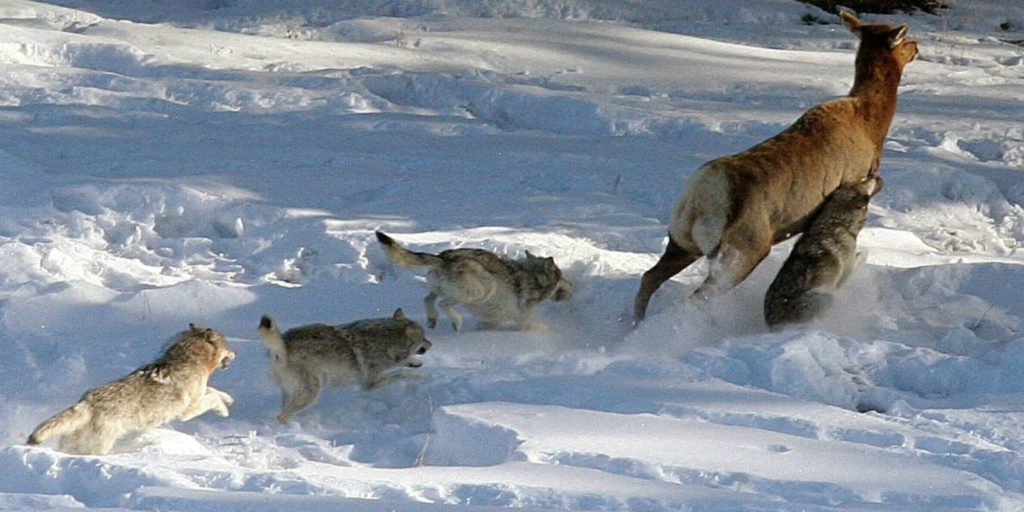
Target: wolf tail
column 63, row 422
column 271, row 337
column 402, row 257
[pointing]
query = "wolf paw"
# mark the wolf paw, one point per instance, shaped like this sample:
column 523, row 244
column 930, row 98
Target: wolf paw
column 533, row 325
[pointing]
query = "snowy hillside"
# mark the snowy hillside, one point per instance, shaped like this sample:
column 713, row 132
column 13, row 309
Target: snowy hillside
column 210, row 161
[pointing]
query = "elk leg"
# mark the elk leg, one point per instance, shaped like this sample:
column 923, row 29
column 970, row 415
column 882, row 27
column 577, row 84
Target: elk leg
column 673, row 261
column 730, row 265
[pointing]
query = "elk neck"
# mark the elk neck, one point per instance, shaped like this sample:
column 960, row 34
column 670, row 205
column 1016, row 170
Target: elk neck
column 875, row 86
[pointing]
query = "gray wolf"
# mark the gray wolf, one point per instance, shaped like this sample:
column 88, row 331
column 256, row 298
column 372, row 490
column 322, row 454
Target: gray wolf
column 734, row 208
column 172, row 387
column 307, row 358
column 496, row 289
column 822, row 258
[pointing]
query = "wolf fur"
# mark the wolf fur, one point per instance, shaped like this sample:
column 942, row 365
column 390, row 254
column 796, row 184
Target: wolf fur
column 309, row 357
column 736, row 207
column 494, row 288
column 823, row 258
column 172, row 387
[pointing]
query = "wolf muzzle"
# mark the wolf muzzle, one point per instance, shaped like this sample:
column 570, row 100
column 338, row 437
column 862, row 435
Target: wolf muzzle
column 563, row 291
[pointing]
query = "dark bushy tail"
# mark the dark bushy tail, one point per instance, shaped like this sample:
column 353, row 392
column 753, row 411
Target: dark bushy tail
column 271, row 337
column 402, row 257
column 68, row 420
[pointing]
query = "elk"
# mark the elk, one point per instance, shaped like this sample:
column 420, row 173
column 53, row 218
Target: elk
column 735, row 207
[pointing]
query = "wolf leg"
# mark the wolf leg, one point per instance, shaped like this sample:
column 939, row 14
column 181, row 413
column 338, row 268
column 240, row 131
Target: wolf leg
column 448, row 305
column 526, row 321
column 813, row 304
column 91, row 439
column 428, row 304
column 373, row 378
column 532, row 324
column 212, row 400
column 850, row 266
column 226, row 398
column 298, row 397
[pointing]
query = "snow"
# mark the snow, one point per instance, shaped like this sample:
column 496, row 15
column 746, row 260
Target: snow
column 210, row 161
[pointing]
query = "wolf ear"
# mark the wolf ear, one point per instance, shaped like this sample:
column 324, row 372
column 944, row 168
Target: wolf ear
column 196, row 329
column 209, row 335
column 411, row 332
column 399, row 315
column 852, row 23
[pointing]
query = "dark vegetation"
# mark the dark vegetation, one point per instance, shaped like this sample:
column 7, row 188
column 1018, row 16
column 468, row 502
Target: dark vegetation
column 881, row 6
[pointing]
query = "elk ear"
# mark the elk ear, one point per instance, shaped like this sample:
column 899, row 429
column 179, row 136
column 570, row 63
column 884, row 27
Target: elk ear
column 852, row 23
column 399, row 315
column 897, row 36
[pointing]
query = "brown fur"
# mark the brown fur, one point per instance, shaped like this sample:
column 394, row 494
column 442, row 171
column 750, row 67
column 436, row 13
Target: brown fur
column 172, row 387
column 735, row 207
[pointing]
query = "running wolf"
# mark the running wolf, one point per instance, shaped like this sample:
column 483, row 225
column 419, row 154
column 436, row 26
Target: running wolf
column 494, row 288
column 309, row 357
column 172, row 387
column 823, row 258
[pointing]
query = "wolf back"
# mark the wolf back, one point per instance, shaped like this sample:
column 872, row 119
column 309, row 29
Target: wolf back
column 823, row 258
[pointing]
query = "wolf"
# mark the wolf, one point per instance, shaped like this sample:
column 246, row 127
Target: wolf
column 172, row 387
column 822, row 258
column 306, row 358
column 496, row 289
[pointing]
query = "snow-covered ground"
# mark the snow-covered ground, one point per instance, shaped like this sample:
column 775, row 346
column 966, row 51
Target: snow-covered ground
column 209, row 161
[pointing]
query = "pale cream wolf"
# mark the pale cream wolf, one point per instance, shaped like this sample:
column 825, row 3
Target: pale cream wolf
column 496, row 289
column 172, row 387
column 823, row 258
column 309, row 357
